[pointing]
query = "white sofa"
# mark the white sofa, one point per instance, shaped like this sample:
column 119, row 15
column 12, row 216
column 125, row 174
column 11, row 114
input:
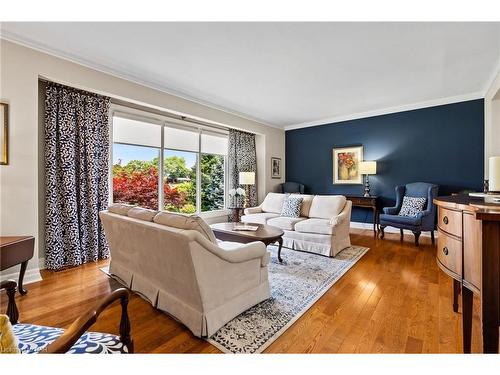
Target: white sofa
column 322, row 228
column 175, row 262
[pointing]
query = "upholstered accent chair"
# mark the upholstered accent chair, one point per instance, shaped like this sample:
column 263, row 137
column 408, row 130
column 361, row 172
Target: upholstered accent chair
column 424, row 221
column 291, row 187
column 33, row 339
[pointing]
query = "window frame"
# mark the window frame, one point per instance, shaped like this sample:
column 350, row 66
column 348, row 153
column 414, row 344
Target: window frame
column 165, row 121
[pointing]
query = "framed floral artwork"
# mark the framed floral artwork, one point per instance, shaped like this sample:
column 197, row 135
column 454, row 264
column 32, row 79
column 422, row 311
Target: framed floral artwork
column 346, row 165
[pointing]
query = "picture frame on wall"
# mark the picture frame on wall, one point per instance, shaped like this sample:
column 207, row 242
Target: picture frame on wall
column 4, row 133
column 346, row 165
column 275, row 167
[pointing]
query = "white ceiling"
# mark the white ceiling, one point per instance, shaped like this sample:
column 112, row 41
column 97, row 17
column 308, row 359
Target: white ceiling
column 285, row 74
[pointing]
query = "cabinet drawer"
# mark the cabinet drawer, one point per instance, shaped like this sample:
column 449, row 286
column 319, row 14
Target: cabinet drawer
column 449, row 253
column 450, row 221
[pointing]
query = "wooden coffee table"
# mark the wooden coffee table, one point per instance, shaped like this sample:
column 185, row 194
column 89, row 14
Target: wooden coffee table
column 265, row 233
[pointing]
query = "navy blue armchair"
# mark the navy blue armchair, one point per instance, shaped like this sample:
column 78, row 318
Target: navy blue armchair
column 424, row 221
column 291, row 187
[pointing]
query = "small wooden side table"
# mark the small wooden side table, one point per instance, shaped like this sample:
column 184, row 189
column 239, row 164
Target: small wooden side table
column 236, row 214
column 367, row 202
column 16, row 250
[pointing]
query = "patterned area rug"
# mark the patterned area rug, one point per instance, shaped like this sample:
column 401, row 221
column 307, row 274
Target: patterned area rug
column 296, row 284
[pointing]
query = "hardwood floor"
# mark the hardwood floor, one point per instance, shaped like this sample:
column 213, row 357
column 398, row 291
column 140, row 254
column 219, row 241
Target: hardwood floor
column 394, row 300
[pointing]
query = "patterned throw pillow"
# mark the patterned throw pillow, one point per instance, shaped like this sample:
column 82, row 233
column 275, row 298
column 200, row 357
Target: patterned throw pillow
column 291, row 206
column 412, row 206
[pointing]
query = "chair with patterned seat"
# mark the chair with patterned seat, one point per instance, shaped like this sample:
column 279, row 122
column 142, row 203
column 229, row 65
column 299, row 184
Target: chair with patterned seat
column 424, row 220
column 33, row 339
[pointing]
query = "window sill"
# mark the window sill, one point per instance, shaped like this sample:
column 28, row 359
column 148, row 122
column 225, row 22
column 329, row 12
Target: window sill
column 212, row 214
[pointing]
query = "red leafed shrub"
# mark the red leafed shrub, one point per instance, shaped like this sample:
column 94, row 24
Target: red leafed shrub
column 141, row 187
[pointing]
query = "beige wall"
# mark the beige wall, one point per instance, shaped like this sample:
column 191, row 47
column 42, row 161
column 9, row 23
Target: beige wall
column 21, row 181
column 492, row 122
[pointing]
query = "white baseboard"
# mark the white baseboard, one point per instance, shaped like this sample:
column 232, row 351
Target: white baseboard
column 32, row 275
column 359, row 225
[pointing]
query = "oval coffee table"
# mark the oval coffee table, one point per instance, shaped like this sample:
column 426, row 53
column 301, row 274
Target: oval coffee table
column 265, row 233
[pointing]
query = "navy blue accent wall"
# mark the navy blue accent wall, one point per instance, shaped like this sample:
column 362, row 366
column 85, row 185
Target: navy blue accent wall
column 443, row 145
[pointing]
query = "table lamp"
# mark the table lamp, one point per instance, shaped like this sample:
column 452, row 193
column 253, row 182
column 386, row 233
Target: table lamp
column 367, row 168
column 247, row 179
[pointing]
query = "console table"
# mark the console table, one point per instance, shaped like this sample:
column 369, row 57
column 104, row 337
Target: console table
column 16, row 250
column 469, row 251
column 367, row 202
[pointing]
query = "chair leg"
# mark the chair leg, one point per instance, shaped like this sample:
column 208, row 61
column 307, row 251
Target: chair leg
column 432, row 237
column 382, row 227
column 401, row 235
column 417, row 235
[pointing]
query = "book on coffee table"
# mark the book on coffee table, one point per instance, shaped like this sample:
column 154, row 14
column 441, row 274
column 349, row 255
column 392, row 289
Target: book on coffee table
column 251, row 228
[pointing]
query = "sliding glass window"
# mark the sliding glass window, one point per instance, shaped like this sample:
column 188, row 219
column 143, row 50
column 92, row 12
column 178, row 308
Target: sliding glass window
column 191, row 176
column 136, row 155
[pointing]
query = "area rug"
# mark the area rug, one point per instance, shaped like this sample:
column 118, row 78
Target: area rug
column 296, row 284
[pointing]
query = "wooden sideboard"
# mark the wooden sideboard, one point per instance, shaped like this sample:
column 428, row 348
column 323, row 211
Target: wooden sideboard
column 468, row 250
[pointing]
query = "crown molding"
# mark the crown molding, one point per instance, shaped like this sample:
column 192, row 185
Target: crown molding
column 29, row 43
column 491, row 81
column 388, row 110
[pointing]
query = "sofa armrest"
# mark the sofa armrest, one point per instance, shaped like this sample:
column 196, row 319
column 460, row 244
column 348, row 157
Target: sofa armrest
column 345, row 214
column 252, row 210
column 244, row 252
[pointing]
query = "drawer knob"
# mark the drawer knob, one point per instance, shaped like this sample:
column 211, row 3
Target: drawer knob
column 445, row 219
column 445, row 250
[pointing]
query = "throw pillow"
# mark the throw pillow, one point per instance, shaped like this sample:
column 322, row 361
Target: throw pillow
column 8, row 342
column 412, row 206
column 291, row 206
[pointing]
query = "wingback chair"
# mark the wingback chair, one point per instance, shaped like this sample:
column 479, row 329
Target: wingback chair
column 424, row 221
column 291, row 187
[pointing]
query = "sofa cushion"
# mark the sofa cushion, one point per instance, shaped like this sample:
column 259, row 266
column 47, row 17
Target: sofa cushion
column 260, row 218
column 327, row 206
column 396, row 219
column 273, row 203
column 142, row 213
column 306, row 203
column 120, row 208
column 189, row 222
column 285, row 223
column 319, row 226
column 291, row 207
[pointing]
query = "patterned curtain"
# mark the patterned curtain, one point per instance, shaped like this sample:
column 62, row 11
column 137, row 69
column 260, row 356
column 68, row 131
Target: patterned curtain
column 242, row 157
column 76, row 176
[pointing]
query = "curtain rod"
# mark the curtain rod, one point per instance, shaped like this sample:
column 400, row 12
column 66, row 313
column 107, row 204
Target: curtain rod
column 160, row 112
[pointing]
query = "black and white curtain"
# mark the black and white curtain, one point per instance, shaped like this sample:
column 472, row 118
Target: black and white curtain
column 76, row 176
column 242, row 157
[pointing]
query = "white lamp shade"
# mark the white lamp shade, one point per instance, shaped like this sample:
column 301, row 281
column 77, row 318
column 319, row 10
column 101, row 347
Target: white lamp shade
column 368, row 167
column 494, row 174
column 247, row 178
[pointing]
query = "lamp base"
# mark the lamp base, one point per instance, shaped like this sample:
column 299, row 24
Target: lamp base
column 367, row 188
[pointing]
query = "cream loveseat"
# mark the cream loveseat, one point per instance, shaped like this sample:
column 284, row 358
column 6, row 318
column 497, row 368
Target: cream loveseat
column 176, row 263
column 322, row 228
